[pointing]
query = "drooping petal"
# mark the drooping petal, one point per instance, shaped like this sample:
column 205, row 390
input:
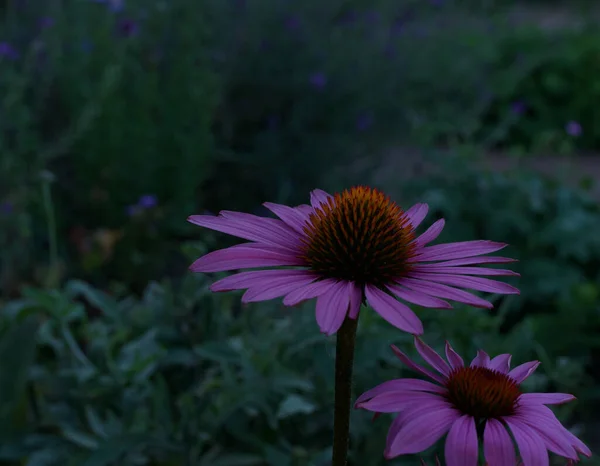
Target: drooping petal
column 501, row 363
column 397, row 386
column 579, row 446
column 481, row 360
column 432, row 358
column 461, row 444
column 458, row 250
column 277, row 287
column 416, row 367
column 392, row 310
column 244, row 256
column 419, row 299
column 332, row 307
column 356, row 296
column 431, row 233
column 310, row 291
column 455, row 360
column 318, row 197
column 523, row 371
column 244, row 280
column 531, row 447
column 546, row 398
column 293, row 217
column 498, row 447
column 546, row 427
column 397, row 401
column 444, row 291
column 423, row 426
column 435, row 268
column 250, row 227
column 465, row 281
column 416, row 214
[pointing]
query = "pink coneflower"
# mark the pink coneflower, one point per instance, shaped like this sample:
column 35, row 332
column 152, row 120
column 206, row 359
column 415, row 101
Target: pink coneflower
column 349, row 248
column 483, row 400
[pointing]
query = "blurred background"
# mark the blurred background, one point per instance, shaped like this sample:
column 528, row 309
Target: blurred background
column 118, row 119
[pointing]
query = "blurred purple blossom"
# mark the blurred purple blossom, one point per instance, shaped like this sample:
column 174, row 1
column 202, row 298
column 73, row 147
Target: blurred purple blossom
column 45, row 22
column 147, row 201
column 113, row 5
column 127, row 27
column 518, row 107
column 372, row 17
column 318, row 80
column 364, row 121
column 8, row 51
column 348, row 17
column 292, row 23
column 573, row 128
column 6, row 207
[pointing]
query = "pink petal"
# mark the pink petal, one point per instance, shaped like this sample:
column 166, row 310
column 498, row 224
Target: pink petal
column 453, row 357
column 356, row 296
column 546, row 398
column 435, row 268
column 332, row 307
column 458, row 250
column 547, row 428
column 318, row 197
column 416, row 214
column 422, row 427
column 432, row 358
column 444, row 291
column 244, row 256
column 523, row 371
column 461, row 443
column 250, row 227
column 531, row 447
column 399, row 385
column 431, row 233
column 276, row 287
column 579, row 446
column 473, row 261
column 392, row 310
column 419, row 299
column 295, row 218
column 313, row 290
column 481, row 360
column 474, row 283
column 497, row 445
column 416, row 367
column 501, row 363
column 244, row 280
column 397, row 401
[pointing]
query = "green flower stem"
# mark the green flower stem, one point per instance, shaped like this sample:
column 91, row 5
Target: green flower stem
column 344, row 360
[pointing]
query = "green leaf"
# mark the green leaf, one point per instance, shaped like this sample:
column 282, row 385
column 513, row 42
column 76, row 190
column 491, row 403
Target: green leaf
column 17, row 353
column 114, row 448
column 295, row 404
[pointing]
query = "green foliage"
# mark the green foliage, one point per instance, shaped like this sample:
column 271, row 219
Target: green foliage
column 184, row 376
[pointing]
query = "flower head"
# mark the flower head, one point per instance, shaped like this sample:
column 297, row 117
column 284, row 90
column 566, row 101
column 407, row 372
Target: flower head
column 573, row 128
column 346, row 249
column 481, row 400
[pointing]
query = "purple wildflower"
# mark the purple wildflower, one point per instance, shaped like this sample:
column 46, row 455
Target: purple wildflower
column 573, row 128
column 292, row 23
column 127, row 27
column 6, row 207
column 318, row 80
column 147, row 201
column 364, row 121
column 46, row 22
column 518, row 107
column 8, row 51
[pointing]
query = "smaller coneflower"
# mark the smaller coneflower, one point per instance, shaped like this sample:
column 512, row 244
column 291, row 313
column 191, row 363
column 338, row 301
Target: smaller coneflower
column 481, row 401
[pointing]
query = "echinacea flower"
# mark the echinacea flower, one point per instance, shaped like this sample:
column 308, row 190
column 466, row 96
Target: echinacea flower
column 518, row 463
column 346, row 249
column 480, row 401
